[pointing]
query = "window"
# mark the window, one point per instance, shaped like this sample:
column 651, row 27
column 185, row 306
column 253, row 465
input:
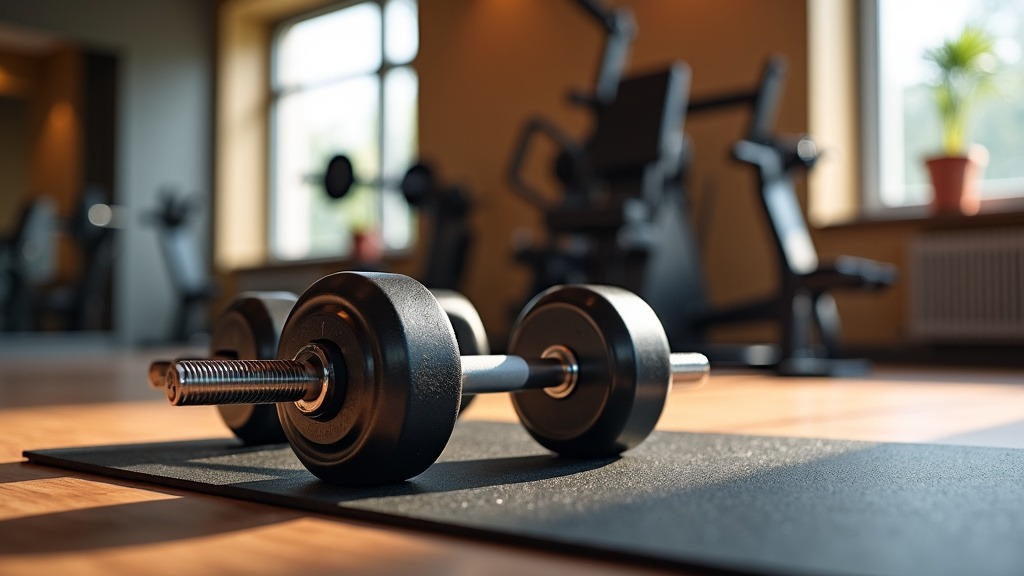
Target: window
column 901, row 123
column 342, row 83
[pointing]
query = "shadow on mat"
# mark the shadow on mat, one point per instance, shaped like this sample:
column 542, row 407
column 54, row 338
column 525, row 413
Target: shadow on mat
column 227, row 464
column 451, row 476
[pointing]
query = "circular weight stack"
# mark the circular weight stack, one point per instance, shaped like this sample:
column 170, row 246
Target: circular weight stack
column 397, row 372
column 469, row 328
column 624, row 370
column 249, row 329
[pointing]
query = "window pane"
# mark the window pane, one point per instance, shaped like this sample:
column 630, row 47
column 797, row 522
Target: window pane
column 400, row 137
column 311, row 126
column 908, row 121
column 401, row 36
column 337, row 44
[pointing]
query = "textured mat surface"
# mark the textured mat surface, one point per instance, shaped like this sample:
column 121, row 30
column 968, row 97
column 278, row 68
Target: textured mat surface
column 740, row 503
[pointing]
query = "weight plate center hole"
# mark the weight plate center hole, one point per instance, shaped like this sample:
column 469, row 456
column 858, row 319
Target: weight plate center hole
column 317, row 360
column 570, row 371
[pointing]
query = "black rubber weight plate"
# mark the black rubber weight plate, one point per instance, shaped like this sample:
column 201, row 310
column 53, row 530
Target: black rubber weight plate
column 401, row 374
column 624, row 373
column 469, row 328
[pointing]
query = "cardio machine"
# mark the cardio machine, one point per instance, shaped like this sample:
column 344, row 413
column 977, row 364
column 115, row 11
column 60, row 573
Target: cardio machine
column 802, row 306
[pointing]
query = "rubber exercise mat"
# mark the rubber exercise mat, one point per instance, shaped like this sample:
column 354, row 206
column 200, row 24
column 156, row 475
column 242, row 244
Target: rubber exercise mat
column 737, row 503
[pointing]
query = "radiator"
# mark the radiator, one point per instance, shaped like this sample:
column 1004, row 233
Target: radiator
column 967, row 286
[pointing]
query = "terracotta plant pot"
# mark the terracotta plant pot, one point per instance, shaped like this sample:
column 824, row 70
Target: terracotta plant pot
column 367, row 247
column 956, row 181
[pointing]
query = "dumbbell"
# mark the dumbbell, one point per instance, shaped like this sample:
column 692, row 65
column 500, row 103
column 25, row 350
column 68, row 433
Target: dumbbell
column 417, row 183
column 369, row 379
column 250, row 328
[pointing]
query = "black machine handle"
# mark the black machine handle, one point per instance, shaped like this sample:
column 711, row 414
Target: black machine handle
column 620, row 30
column 541, row 127
column 764, row 100
column 767, row 99
column 595, row 9
column 794, row 152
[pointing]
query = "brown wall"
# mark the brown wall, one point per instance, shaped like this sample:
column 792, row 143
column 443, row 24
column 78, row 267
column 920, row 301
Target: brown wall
column 487, row 65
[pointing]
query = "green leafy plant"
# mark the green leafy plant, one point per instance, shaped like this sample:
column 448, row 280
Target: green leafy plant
column 966, row 66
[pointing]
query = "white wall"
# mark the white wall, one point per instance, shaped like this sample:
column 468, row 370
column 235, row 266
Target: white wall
column 165, row 88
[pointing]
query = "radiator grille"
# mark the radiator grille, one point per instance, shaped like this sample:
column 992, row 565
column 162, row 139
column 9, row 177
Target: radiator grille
column 968, row 286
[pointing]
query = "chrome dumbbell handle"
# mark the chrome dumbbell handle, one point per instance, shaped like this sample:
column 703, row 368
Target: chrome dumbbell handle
column 307, row 379
column 556, row 371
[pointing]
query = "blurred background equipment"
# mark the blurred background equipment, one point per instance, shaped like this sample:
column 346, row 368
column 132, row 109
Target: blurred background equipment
column 802, row 306
column 619, row 220
column 173, row 220
column 28, row 261
column 83, row 302
column 445, row 212
column 43, row 290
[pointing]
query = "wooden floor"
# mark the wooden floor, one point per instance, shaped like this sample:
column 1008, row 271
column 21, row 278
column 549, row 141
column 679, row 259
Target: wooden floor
column 52, row 521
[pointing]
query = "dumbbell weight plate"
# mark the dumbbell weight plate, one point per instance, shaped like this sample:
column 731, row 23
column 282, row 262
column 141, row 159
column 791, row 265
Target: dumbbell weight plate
column 418, row 184
column 402, row 378
column 248, row 330
column 469, row 328
column 338, row 178
column 624, row 370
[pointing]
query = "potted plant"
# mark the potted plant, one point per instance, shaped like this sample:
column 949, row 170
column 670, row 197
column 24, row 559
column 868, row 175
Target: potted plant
column 965, row 65
column 361, row 216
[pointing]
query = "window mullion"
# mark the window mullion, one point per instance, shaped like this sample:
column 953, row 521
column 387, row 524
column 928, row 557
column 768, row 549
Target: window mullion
column 871, row 178
column 381, row 106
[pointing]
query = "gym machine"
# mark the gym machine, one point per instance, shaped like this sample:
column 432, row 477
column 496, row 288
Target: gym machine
column 369, row 376
column 28, row 260
column 446, row 210
column 184, row 261
column 620, row 220
column 30, row 296
column 84, row 303
column 559, row 261
column 803, row 305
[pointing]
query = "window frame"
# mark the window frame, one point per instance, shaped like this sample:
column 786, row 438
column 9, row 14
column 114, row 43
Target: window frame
column 871, row 204
column 274, row 93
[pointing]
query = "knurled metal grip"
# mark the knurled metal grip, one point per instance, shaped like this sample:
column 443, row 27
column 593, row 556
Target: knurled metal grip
column 216, row 382
column 307, row 380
